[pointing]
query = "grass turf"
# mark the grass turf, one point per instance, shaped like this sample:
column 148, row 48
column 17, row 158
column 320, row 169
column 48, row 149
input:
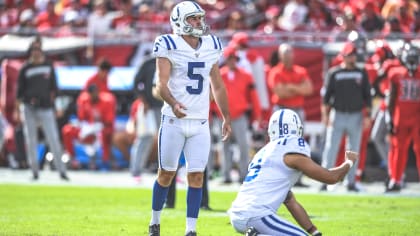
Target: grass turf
column 53, row 210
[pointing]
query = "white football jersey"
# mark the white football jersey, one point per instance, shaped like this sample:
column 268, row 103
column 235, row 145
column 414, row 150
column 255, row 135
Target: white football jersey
column 269, row 179
column 189, row 82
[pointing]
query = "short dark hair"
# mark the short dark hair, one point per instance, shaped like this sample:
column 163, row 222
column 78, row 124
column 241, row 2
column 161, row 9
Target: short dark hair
column 104, row 64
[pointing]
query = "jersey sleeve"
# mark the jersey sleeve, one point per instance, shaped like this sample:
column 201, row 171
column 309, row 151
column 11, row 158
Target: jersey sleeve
column 214, row 43
column 297, row 145
column 161, row 46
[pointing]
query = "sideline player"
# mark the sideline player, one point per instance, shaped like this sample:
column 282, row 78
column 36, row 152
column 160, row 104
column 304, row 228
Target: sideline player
column 271, row 175
column 403, row 114
column 186, row 63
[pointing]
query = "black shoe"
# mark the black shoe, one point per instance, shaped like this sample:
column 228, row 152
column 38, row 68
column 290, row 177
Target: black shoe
column 301, row 185
column 353, row 188
column 251, row 231
column 206, row 208
column 154, row 230
column 191, row 233
column 169, row 206
column 386, row 182
column 227, row 181
column 323, row 188
column 63, row 176
column 394, row 188
column 35, row 176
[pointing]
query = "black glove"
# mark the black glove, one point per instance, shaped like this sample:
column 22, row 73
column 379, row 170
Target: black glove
column 389, row 123
column 317, row 234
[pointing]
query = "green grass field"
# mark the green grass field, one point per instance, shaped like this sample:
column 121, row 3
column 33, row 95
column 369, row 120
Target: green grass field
column 50, row 210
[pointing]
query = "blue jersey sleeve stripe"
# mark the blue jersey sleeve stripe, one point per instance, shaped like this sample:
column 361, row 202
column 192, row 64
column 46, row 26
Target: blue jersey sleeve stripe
column 220, row 44
column 214, row 41
column 167, row 43
column 172, row 41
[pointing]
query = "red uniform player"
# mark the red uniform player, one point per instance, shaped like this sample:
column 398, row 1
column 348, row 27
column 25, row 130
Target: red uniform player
column 96, row 113
column 404, row 114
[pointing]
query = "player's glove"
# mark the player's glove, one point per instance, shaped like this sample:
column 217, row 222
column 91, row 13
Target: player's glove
column 317, row 234
column 389, row 123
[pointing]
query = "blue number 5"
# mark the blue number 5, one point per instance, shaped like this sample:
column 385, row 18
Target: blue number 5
column 198, row 77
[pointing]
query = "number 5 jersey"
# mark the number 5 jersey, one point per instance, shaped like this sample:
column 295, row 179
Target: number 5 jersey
column 189, row 81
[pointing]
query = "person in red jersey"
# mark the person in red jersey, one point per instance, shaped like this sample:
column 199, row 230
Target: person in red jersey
column 384, row 59
column 242, row 98
column 100, row 79
column 96, row 114
column 404, row 114
column 252, row 62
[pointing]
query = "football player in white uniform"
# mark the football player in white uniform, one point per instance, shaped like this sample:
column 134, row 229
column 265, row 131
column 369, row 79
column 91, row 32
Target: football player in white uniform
column 186, row 66
column 271, row 175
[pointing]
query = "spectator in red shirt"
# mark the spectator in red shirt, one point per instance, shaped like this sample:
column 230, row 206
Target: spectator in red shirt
column 289, row 83
column 48, row 19
column 96, row 115
column 100, row 79
column 242, row 98
column 124, row 21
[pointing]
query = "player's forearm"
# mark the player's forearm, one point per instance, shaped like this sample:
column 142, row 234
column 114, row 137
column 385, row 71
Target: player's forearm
column 221, row 99
column 283, row 92
column 338, row 173
column 165, row 94
column 299, row 214
column 305, row 88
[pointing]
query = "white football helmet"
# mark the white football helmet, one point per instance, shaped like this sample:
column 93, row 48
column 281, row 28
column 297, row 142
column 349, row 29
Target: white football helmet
column 179, row 16
column 284, row 122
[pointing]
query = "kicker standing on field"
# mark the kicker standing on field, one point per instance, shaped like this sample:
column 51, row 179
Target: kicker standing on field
column 35, row 97
column 272, row 173
column 187, row 63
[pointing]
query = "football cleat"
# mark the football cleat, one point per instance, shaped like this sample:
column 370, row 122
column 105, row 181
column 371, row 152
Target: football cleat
column 191, row 233
column 394, row 188
column 154, row 230
column 251, row 231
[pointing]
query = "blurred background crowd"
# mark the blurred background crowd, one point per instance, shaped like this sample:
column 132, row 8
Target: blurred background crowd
column 107, row 116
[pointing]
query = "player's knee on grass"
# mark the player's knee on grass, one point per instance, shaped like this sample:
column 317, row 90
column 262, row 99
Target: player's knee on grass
column 195, row 179
column 165, row 177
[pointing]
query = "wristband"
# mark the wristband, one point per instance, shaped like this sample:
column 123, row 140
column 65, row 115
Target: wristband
column 350, row 162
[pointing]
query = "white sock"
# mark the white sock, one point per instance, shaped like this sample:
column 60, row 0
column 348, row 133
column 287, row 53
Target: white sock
column 155, row 217
column 191, row 223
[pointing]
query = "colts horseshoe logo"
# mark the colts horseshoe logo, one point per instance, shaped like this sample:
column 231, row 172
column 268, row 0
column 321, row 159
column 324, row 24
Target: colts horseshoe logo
column 175, row 19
